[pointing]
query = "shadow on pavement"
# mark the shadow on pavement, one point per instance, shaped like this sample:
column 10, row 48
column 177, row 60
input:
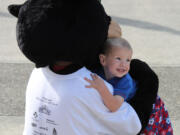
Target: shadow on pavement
column 2, row 14
column 145, row 25
column 129, row 22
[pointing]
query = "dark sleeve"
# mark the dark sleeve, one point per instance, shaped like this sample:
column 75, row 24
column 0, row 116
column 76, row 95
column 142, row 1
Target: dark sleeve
column 147, row 88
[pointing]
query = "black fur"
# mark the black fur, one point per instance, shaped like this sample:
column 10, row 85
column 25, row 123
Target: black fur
column 14, row 9
column 146, row 94
column 54, row 30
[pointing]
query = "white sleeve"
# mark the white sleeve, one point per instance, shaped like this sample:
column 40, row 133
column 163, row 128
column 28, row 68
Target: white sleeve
column 124, row 121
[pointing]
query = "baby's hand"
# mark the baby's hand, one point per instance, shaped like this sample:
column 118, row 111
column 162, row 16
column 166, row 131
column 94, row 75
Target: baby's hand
column 96, row 83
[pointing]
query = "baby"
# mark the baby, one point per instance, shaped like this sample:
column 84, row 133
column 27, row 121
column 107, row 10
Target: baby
column 115, row 60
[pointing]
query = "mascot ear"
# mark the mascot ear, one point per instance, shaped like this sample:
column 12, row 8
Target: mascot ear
column 14, row 9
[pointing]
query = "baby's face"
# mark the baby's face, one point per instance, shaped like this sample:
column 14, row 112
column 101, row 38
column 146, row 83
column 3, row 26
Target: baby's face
column 117, row 62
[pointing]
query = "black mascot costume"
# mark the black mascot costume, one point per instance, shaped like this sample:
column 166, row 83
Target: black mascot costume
column 74, row 31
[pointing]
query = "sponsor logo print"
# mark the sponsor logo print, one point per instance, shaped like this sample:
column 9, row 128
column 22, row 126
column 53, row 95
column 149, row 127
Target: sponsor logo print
column 34, row 124
column 44, row 109
column 38, row 133
column 44, row 128
column 54, row 132
column 51, row 122
column 35, row 115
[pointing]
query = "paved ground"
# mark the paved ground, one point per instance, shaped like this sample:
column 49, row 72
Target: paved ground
column 153, row 29
column 12, row 95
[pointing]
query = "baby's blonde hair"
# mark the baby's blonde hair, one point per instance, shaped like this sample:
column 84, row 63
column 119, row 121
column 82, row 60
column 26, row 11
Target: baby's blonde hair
column 115, row 42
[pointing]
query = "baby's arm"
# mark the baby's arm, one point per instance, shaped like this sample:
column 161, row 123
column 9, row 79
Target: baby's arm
column 113, row 103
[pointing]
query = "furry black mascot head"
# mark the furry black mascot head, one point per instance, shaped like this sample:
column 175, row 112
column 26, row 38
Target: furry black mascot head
column 75, row 30
column 54, row 30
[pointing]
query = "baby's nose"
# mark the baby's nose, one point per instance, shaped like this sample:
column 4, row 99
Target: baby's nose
column 123, row 63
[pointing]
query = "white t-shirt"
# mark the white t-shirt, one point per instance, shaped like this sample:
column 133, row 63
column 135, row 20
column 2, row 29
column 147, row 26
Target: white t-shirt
column 61, row 105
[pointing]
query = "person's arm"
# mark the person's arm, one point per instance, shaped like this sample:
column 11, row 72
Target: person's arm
column 147, row 89
column 114, row 30
column 113, row 103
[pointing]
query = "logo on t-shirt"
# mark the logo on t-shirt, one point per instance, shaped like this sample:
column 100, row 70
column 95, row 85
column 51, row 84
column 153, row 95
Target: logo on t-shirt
column 54, row 132
column 44, row 109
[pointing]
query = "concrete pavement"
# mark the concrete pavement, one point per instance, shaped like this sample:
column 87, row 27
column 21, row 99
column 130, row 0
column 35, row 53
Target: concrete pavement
column 12, row 95
column 153, row 29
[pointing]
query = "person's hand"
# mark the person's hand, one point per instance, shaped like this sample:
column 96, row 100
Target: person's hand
column 96, row 83
column 114, row 30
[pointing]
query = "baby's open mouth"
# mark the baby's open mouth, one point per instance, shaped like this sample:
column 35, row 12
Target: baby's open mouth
column 121, row 70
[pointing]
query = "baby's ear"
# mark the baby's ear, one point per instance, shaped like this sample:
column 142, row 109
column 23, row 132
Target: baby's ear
column 102, row 59
column 14, row 9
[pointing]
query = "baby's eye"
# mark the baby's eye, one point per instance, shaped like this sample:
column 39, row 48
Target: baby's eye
column 118, row 58
column 128, row 60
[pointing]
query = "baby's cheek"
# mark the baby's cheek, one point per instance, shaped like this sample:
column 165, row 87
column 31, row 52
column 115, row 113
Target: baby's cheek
column 128, row 68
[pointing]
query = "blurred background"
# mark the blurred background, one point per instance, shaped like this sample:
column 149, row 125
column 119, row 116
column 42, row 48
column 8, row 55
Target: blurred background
column 151, row 26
